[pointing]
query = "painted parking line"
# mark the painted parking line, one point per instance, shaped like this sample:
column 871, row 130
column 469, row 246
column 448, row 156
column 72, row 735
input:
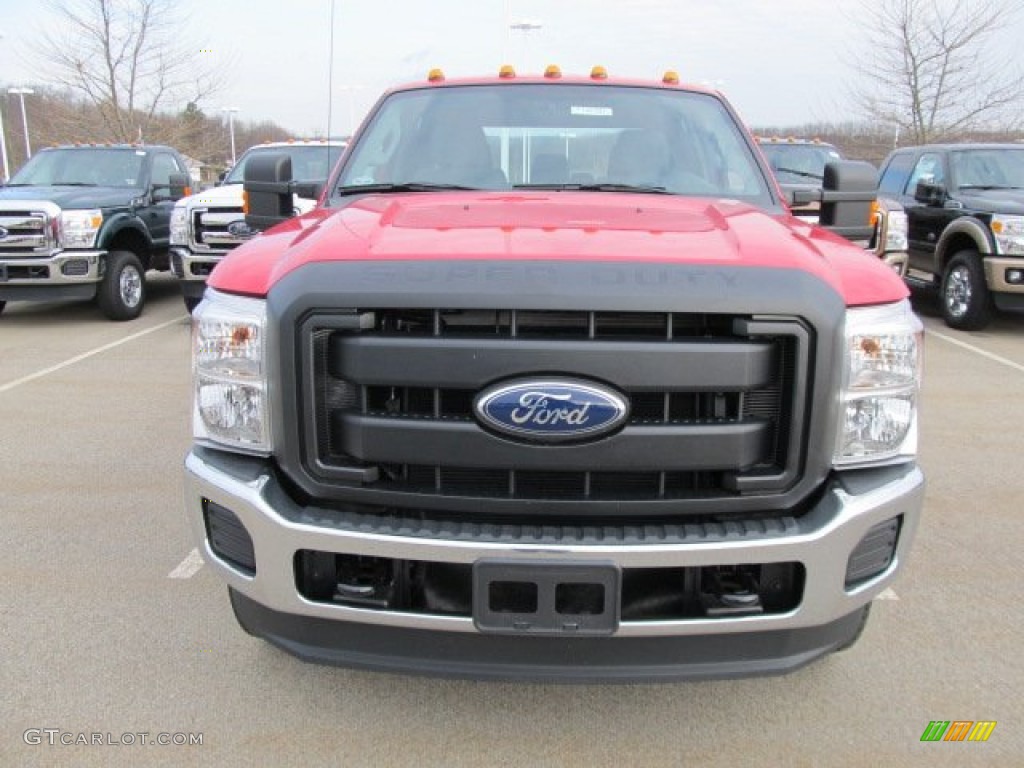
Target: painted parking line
column 977, row 350
column 188, row 567
column 887, row 594
column 85, row 356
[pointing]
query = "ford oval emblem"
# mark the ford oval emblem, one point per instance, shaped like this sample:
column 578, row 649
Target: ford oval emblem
column 551, row 410
column 240, row 229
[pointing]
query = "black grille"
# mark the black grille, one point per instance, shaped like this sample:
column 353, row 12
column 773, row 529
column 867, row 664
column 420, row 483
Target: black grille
column 713, row 402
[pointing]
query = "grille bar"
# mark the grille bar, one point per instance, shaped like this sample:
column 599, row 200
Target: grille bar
column 728, row 446
column 472, row 363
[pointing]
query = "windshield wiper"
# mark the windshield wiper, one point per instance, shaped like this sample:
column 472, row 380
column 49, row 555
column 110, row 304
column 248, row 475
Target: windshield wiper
column 805, row 174
column 603, row 187
column 73, row 184
column 407, row 186
column 987, row 186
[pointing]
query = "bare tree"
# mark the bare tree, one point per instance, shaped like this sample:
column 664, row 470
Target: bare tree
column 129, row 58
column 933, row 69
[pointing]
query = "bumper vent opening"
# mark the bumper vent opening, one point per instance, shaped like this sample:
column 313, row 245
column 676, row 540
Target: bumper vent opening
column 228, row 538
column 645, row 594
column 874, row 553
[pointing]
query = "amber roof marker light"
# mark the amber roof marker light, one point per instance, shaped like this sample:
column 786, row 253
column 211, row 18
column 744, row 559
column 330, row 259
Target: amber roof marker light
column 435, row 76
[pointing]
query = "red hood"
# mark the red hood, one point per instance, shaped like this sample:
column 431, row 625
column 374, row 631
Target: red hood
column 569, row 226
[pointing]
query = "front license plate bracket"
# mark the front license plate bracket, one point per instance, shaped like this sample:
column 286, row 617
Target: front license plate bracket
column 545, row 597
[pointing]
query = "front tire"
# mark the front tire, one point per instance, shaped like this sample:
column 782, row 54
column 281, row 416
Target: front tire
column 191, row 303
column 966, row 302
column 122, row 292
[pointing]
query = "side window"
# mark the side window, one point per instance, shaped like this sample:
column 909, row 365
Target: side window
column 928, row 168
column 163, row 167
column 894, row 177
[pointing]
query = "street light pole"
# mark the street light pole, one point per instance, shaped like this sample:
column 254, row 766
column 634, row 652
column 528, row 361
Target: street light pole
column 231, row 129
column 3, row 149
column 21, row 93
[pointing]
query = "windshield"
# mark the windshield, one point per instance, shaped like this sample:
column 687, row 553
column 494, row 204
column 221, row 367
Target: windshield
column 309, row 163
column 799, row 163
column 82, row 166
column 555, row 136
column 988, row 168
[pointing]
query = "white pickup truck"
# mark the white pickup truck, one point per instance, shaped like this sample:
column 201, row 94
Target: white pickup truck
column 207, row 225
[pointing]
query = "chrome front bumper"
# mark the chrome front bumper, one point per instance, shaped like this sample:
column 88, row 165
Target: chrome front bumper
column 63, row 268
column 822, row 542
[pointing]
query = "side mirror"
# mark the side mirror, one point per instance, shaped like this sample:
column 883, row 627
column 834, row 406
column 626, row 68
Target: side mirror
column 268, row 190
column 929, row 193
column 176, row 188
column 797, row 198
column 310, row 190
column 848, row 190
column 180, row 184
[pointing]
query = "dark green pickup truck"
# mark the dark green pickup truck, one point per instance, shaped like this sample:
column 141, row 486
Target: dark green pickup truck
column 87, row 222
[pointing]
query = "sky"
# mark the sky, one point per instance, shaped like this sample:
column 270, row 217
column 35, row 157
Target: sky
column 779, row 63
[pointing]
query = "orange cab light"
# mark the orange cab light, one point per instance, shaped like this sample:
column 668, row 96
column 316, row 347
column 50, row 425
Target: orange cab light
column 598, row 73
column 435, row 76
column 553, row 71
column 507, row 71
column 671, row 77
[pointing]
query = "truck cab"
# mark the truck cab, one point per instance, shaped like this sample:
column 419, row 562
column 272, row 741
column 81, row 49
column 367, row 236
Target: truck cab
column 87, row 222
column 551, row 384
column 965, row 209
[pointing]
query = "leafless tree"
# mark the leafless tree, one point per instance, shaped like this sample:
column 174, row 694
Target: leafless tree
column 129, row 58
column 933, row 69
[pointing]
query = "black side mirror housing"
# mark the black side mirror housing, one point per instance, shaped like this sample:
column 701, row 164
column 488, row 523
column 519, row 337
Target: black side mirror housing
column 848, row 190
column 268, row 190
column 929, row 193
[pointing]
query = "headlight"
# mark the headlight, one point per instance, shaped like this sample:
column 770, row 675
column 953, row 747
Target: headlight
column 229, row 370
column 895, row 231
column 78, row 229
column 881, row 383
column 179, row 225
column 1009, row 233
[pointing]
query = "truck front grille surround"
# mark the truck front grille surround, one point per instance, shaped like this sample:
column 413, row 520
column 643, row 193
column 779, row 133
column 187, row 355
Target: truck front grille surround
column 28, row 232
column 716, row 403
column 209, row 230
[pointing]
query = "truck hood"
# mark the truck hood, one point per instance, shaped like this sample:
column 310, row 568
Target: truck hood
column 568, row 226
column 70, row 198
column 1009, row 201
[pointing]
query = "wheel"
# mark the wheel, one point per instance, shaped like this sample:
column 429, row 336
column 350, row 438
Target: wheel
column 966, row 301
column 122, row 292
column 191, row 303
column 864, row 613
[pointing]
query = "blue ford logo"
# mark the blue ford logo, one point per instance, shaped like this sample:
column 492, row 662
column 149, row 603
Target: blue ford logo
column 240, row 229
column 3, row 233
column 551, row 410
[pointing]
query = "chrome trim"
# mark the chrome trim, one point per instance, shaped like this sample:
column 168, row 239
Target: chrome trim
column 55, row 264
column 37, row 216
column 995, row 273
column 188, row 258
column 834, row 528
column 220, row 241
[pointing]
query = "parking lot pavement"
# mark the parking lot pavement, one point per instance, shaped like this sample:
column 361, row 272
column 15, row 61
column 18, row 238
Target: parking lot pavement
column 113, row 630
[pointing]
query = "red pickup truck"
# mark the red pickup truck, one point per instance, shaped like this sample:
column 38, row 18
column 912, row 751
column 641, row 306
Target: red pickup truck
column 551, row 384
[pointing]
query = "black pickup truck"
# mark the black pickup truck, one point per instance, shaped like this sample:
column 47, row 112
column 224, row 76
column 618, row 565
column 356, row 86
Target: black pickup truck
column 965, row 210
column 87, row 222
